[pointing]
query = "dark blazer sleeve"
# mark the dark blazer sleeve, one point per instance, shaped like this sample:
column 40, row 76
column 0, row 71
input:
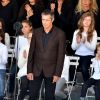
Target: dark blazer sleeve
column 61, row 54
column 31, row 55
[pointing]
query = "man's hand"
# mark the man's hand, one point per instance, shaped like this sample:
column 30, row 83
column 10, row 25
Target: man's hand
column 29, row 11
column 59, row 6
column 55, row 79
column 27, row 7
column 30, row 76
column 52, row 7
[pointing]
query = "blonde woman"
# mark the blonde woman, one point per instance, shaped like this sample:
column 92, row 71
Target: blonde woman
column 84, row 42
column 87, row 5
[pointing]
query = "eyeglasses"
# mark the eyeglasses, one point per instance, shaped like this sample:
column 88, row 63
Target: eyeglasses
column 46, row 19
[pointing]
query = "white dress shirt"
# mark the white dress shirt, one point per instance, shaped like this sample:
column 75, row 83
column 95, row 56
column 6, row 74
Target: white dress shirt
column 3, row 56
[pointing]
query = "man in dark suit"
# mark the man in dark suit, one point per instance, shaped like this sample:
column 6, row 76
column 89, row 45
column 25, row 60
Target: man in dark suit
column 46, row 56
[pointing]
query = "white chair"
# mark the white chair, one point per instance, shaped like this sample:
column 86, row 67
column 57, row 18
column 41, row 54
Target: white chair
column 74, row 61
column 10, row 56
column 11, row 52
column 9, row 65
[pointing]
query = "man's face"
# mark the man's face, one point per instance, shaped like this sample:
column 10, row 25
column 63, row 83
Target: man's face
column 46, row 21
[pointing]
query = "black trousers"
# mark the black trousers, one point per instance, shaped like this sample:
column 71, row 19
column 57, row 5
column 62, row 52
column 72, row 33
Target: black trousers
column 88, row 84
column 84, row 65
column 23, row 87
column 35, row 86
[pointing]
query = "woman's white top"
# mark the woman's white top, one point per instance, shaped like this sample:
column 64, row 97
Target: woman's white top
column 21, row 41
column 22, row 62
column 3, row 56
column 65, row 71
column 86, row 48
column 96, row 66
column 7, row 40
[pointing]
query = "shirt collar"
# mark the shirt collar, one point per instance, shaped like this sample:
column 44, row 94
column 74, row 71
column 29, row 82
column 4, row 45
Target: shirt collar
column 49, row 31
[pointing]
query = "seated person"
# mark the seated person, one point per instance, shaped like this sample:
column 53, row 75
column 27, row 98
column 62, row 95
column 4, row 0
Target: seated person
column 94, row 79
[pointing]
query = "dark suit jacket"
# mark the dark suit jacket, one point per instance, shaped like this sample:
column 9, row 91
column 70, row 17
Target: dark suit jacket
column 48, row 59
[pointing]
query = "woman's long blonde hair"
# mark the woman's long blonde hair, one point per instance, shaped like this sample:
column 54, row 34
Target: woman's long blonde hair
column 91, row 27
column 93, row 7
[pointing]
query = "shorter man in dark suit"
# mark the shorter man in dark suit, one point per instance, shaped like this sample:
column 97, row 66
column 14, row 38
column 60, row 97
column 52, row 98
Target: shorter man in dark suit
column 46, row 57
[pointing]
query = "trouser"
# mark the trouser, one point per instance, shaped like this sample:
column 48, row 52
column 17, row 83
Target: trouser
column 84, row 65
column 2, row 82
column 23, row 87
column 35, row 86
column 88, row 84
column 1, row 98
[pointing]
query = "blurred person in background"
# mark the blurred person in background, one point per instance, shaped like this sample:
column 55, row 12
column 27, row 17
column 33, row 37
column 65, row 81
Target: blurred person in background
column 62, row 15
column 3, row 62
column 6, row 35
column 31, row 10
column 8, row 12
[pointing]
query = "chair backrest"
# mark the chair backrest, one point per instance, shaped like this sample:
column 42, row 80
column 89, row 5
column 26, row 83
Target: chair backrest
column 11, row 52
column 91, row 68
column 74, row 60
column 10, row 57
column 69, row 61
column 98, row 40
column 11, row 49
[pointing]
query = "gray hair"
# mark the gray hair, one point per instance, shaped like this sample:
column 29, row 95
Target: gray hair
column 48, row 12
